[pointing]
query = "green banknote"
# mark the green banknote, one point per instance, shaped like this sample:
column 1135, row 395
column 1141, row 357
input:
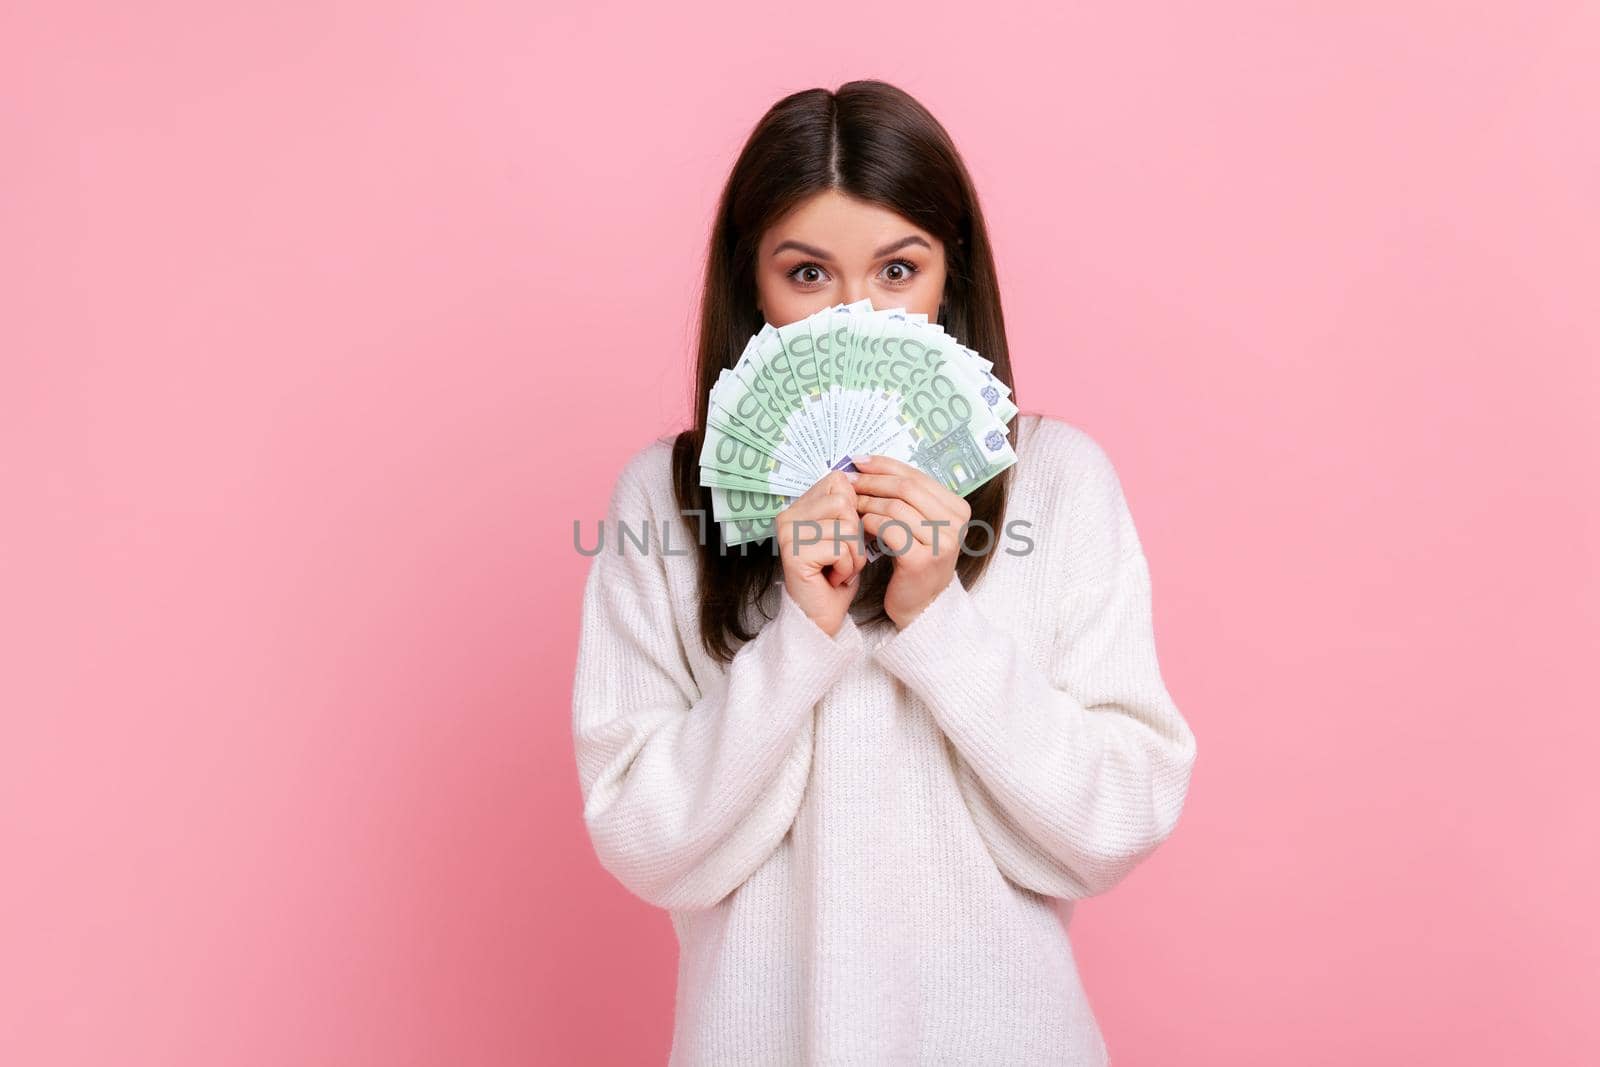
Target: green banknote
column 847, row 380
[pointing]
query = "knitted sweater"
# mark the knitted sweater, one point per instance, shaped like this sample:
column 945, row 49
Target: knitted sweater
column 869, row 845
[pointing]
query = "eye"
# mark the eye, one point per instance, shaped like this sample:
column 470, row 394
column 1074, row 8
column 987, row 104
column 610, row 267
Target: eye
column 793, row 273
column 909, row 269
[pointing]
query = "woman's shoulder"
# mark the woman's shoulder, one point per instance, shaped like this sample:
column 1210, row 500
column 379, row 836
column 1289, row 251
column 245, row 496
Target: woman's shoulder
column 1055, row 454
column 1066, row 470
column 646, row 474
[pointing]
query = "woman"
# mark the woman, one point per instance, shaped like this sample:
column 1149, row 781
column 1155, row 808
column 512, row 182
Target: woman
column 868, row 793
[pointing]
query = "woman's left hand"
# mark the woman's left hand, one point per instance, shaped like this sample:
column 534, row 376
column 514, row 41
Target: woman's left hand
column 890, row 491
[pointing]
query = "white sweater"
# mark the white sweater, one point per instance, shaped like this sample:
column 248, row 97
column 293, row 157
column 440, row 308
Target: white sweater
column 869, row 844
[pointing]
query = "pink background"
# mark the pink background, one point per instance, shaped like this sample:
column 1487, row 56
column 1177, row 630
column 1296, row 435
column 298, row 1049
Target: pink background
column 321, row 325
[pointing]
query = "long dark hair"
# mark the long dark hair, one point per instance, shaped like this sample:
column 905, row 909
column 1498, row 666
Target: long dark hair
column 876, row 143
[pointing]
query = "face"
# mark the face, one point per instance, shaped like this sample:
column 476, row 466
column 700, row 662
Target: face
column 834, row 249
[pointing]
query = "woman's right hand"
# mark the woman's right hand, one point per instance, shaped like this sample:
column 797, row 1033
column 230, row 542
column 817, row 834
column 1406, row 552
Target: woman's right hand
column 821, row 570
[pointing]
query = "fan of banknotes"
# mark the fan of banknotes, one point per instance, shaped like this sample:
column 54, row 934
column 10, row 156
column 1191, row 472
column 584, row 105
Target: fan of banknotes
column 848, row 380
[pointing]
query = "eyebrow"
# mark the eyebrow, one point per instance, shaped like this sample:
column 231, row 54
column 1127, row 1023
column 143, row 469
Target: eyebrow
column 893, row 246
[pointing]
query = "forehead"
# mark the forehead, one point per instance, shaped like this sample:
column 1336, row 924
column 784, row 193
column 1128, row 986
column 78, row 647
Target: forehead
column 841, row 224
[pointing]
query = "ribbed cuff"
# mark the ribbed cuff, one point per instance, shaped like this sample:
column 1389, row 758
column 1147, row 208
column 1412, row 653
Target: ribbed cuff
column 778, row 678
column 812, row 660
column 930, row 654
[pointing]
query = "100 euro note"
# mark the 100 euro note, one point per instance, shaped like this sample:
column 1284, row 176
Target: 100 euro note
column 847, row 380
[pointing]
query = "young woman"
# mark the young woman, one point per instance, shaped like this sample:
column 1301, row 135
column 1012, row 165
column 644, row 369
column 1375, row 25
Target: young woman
column 869, row 793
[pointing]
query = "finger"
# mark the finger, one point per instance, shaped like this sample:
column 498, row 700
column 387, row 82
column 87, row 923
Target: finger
column 935, row 504
column 844, row 524
column 845, row 569
column 883, row 526
column 851, row 541
column 822, row 497
column 820, row 504
column 894, row 508
column 893, row 540
column 878, row 466
column 834, row 482
column 846, row 565
column 831, row 534
column 917, row 489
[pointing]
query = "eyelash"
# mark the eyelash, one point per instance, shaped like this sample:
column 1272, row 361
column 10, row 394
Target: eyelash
column 911, row 270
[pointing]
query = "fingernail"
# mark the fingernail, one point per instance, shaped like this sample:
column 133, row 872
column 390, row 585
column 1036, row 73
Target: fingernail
column 851, row 475
column 861, row 459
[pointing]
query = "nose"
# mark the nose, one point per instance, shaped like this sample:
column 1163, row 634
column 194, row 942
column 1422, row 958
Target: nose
column 855, row 290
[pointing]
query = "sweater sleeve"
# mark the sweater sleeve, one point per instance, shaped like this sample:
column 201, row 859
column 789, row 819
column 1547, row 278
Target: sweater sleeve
column 1074, row 771
column 685, row 792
